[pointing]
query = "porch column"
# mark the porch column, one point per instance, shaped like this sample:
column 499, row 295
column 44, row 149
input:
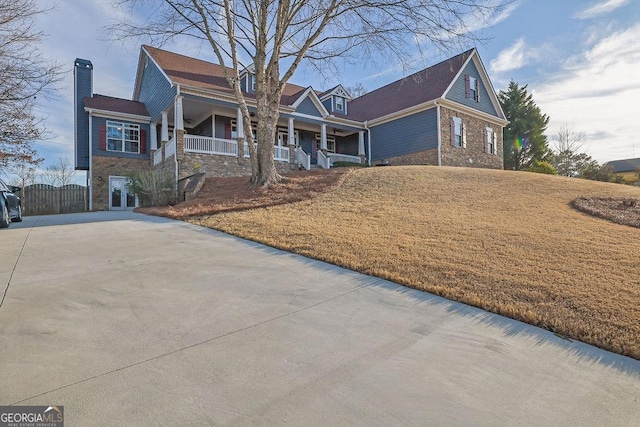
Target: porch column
column 361, row 152
column 213, row 124
column 179, row 118
column 240, row 123
column 153, row 134
column 323, row 138
column 164, row 135
column 240, row 135
column 292, row 145
column 292, row 139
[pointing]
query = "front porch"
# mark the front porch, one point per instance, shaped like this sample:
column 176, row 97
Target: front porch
column 206, row 137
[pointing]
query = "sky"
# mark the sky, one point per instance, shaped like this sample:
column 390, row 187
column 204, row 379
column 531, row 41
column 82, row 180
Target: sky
column 579, row 58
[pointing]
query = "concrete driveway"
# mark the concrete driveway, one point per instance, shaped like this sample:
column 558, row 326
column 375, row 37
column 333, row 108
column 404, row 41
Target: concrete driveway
column 133, row 320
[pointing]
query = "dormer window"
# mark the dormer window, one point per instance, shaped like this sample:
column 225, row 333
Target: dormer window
column 339, row 103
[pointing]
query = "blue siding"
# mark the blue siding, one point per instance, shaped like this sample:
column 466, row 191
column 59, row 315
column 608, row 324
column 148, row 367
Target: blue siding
column 458, row 91
column 308, row 107
column 83, row 71
column 327, row 104
column 98, row 122
column 406, row 135
column 347, row 144
column 156, row 92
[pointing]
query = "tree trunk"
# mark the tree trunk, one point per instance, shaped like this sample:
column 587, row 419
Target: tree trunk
column 265, row 172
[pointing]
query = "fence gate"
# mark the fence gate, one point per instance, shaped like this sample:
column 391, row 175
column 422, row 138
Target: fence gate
column 40, row 199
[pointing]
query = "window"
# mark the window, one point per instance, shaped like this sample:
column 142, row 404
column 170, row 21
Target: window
column 234, row 130
column 473, row 86
column 253, row 82
column 331, row 143
column 339, row 103
column 123, row 137
column 458, row 137
column 283, row 138
column 491, row 139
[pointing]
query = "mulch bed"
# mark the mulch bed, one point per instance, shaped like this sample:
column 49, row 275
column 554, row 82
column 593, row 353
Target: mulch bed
column 619, row 210
column 236, row 194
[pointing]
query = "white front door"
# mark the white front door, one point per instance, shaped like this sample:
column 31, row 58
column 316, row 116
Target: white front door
column 119, row 198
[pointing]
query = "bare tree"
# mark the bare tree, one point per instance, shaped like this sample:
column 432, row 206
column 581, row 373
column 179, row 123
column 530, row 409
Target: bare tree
column 357, row 90
column 24, row 76
column 568, row 139
column 22, row 174
column 567, row 157
column 59, row 174
column 270, row 34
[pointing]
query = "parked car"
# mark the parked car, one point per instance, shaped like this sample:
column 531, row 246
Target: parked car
column 10, row 205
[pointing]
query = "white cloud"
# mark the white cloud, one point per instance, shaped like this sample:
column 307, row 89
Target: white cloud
column 600, row 8
column 597, row 91
column 516, row 56
column 481, row 19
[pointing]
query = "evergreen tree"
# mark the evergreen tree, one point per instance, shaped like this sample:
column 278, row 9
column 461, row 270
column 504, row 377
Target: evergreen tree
column 524, row 139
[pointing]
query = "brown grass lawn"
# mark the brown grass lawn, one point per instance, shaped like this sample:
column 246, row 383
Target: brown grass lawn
column 508, row 242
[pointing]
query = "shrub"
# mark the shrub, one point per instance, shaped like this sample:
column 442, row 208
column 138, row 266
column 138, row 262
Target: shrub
column 347, row 165
column 155, row 187
column 541, row 167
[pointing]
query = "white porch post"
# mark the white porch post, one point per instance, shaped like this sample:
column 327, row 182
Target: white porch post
column 164, row 136
column 239, row 123
column 153, row 134
column 361, row 143
column 213, row 124
column 179, row 118
column 292, row 139
column 323, row 137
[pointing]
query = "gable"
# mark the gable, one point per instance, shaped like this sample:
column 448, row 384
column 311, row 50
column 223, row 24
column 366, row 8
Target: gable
column 154, row 88
column 307, row 106
column 458, row 90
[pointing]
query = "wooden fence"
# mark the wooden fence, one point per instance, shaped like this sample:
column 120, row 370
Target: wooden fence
column 41, row 199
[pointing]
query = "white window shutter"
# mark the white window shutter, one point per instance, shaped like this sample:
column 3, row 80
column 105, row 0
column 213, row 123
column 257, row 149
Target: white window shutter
column 452, row 125
column 487, row 135
column 478, row 90
column 463, row 129
column 495, row 142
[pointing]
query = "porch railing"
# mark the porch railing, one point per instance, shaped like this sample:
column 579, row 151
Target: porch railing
column 170, row 148
column 279, row 153
column 336, row 157
column 209, row 145
column 157, row 157
column 323, row 161
column 303, row 159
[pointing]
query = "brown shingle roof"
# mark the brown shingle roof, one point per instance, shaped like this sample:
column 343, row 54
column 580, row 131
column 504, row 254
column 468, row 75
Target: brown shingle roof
column 189, row 71
column 118, row 105
column 421, row 87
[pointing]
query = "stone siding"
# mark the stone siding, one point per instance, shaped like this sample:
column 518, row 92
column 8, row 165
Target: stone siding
column 474, row 154
column 103, row 167
column 426, row 157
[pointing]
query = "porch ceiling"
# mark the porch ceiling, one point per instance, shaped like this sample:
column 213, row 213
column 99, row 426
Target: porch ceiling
column 195, row 112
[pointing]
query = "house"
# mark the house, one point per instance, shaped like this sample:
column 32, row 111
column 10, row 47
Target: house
column 184, row 116
column 627, row 169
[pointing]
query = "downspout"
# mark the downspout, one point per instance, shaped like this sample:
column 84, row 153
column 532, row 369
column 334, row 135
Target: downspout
column 91, row 161
column 439, row 133
column 368, row 142
column 175, row 137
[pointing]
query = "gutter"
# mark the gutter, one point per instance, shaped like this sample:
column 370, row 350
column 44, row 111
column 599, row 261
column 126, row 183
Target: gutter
column 366, row 127
column 91, row 161
column 439, row 133
column 175, row 136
